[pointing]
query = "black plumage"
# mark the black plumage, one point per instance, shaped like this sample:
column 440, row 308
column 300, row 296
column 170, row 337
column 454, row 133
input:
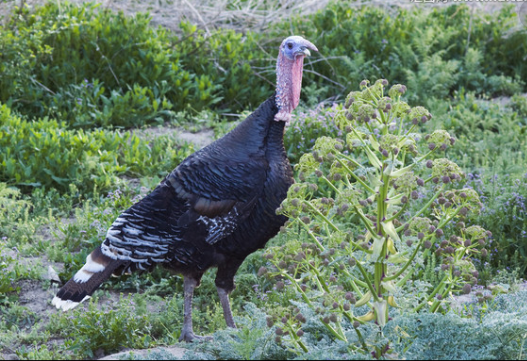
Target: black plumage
column 201, row 214
column 217, row 207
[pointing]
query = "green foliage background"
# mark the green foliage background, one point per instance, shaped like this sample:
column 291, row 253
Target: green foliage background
column 77, row 81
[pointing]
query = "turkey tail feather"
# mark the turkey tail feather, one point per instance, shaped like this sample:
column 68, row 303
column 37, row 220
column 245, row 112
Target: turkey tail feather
column 97, row 269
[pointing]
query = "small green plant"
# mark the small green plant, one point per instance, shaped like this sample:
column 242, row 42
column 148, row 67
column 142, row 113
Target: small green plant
column 490, row 136
column 7, row 274
column 374, row 203
column 494, row 330
column 91, row 329
column 519, row 104
column 17, row 224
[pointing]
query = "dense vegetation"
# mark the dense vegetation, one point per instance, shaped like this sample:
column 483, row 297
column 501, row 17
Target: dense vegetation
column 77, row 82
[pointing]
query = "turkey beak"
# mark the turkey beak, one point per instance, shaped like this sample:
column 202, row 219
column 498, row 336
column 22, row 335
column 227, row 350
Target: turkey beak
column 306, row 46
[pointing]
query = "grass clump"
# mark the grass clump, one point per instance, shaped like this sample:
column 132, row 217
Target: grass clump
column 124, row 326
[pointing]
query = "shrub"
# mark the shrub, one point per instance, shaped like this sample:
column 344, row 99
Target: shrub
column 43, row 154
column 125, row 326
column 93, row 67
column 7, row 274
column 490, row 136
column 15, row 224
column 496, row 331
column 436, row 50
column 384, row 203
column 505, row 214
column 46, row 66
column 86, row 105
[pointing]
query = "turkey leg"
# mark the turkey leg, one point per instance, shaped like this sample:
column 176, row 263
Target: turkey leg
column 225, row 304
column 225, row 285
column 187, row 332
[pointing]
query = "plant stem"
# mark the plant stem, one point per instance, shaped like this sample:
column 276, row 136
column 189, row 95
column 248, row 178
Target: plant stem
column 306, row 227
column 335, row 228
column 408, row 263
column 367, row 280
column 349, row 159
column 345, row 166
column 365, row 220
column 437, row 290
column 361, row 340
column 330, row 184
column 396, row 215
column 334, row 332
column 293, row 280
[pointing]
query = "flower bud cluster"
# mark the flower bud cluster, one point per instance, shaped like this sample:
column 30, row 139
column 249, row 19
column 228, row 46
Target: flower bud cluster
column 323, row 205
column 419, row 115
column 469, row 199
column 338, row 172
column 287, row 323
column 384, row 104
column 297, row 194
column 446, row 171
column 439, row 139
column 477, row 234
column 307, row 164
column 419, row 225
column 389, row 143
column 396, row 91
column 466, row 270
column 348, row 198
column 363, row 112
column 464, row 200
column 325, row 148
column 406, row 183
column 373, row 92
column 351, row 98
column 357, row 103
column 356, row 139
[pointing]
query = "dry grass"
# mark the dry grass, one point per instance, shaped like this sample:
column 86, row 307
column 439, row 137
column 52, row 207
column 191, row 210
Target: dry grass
column 242, row 15
column 208, row 14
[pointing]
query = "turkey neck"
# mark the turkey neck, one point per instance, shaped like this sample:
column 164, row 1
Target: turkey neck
column 275, row 141
column 288, row 84
column 259, row 131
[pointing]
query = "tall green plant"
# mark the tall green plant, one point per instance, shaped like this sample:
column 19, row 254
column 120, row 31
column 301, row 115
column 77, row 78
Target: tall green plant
column 373, row 203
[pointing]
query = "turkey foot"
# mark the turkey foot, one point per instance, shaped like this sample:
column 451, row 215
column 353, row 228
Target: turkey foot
column 189, row 336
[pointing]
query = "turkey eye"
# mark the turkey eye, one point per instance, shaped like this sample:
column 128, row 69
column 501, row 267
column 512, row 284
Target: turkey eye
column 290, row 46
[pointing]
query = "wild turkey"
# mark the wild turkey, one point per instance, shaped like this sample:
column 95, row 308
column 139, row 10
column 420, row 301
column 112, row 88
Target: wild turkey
column 217, row 207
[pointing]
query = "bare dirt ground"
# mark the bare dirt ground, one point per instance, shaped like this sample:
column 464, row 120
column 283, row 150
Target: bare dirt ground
column 199, row 139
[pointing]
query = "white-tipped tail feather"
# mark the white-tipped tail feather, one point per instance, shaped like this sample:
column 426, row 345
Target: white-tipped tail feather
column 66, row 305
column 97, row 269
column 87, row 271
